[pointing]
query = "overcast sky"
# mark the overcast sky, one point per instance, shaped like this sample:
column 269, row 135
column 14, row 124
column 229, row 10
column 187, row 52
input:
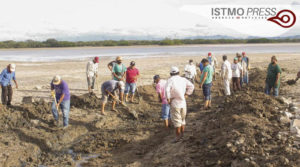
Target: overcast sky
column 118, row 19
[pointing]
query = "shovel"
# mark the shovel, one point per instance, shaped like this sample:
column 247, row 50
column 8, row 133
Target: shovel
column 131, row 111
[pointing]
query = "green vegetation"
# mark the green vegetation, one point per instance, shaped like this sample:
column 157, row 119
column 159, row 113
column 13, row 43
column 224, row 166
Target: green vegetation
column 167, row 41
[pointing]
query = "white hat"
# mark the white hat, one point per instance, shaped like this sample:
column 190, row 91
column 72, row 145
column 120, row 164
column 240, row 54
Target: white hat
column 56, row 80
column 174, row 70
column 12, row 67
column 122, row 85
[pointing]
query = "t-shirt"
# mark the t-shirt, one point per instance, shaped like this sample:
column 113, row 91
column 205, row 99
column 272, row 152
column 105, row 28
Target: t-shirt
column 6, row 77
column 272, row 74
column 236, row 70
column 119, row 70
column 210, row 71
column 61, row 89
column 131, row 74
column 110, row 86
column 160, row 88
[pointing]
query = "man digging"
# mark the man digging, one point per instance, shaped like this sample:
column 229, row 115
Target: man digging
column 111, row 88
column 61, row 94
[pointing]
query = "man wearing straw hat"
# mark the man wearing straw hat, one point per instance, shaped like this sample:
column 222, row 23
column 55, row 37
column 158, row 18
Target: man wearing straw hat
column 6, row 76
column 61, row 95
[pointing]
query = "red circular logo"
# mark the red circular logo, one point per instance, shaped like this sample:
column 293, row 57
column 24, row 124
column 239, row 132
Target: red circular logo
column 285, row 18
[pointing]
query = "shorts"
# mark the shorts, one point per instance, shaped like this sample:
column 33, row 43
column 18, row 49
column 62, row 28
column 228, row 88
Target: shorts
column 178, row 116
column 165, row 112
column 130, row 87
column 206, row 91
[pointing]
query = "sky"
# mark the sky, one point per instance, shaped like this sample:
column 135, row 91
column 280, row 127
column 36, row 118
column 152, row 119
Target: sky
column 129, row 19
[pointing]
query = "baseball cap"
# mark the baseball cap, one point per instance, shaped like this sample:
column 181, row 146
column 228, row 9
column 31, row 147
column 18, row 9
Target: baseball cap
column 132, row 63
column 174, row 70
column 12, row 67
column 235, row 59
column 96, row 59
column 156, row 77
column 56, row 80
column 209, row 54
column 243, row 53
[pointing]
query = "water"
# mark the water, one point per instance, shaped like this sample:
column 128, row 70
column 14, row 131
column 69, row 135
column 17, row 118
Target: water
column 61, row 54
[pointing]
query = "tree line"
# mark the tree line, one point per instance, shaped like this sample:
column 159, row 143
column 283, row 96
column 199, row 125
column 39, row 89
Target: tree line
column 167, row 41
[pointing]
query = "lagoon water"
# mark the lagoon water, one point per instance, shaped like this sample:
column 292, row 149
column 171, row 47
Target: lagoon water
column 62, row 54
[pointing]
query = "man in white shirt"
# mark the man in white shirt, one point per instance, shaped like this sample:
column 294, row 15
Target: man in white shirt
column 92, row 73
column 177, row 89
column 213, row 62
column 236, row 74
column 226, row 74
column 190, row 71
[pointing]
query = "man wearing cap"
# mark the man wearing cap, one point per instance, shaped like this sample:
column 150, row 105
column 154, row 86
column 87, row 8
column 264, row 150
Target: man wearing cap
column 246, row 67
column 206, row 82
column 61, row 94
column 132, row 74
column 118, row 69
column 226, row 74
column 190, row 71
column 92, row 73
column 6, row 76
column 213, row 62
column 177, row 89
column 273, row 77
column 160, row 90
column 110, row 88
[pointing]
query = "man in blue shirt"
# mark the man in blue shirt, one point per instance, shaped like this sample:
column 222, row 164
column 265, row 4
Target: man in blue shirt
column 6, row 76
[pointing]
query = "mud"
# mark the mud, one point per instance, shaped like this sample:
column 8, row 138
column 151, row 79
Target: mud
column 244, row 129
column 291, row 82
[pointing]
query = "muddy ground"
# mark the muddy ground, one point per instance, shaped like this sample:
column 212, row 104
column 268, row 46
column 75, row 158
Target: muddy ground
column 244, row 129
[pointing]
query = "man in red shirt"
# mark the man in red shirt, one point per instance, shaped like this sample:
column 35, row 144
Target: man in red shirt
column 132, row 74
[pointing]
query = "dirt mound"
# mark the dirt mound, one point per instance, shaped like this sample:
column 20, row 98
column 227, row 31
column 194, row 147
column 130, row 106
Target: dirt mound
column 244, row 130
column 86, row 101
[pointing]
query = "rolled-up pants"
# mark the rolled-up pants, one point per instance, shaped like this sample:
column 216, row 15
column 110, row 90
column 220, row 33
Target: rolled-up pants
column 7, row 93
column 91, row 81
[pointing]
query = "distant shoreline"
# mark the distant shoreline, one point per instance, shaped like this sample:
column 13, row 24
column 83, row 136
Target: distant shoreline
column 53, row 43
column 151, row 46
